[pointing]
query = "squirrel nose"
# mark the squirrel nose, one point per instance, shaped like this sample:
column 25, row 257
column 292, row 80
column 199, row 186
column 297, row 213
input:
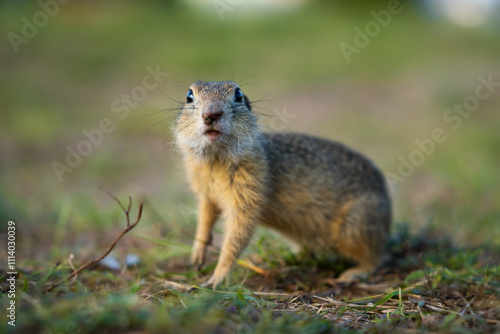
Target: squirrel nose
column 209, row 117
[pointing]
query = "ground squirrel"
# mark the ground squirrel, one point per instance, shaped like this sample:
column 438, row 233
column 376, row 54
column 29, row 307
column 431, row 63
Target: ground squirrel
column 317, row 193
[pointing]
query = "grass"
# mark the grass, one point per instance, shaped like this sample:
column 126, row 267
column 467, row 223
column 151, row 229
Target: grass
column 442, row 274
column 427, row 284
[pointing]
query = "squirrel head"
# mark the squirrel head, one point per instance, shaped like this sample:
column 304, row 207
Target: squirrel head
column 216, row 122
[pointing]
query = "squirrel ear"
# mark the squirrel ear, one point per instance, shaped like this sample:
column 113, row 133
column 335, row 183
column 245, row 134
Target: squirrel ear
column 247, row 102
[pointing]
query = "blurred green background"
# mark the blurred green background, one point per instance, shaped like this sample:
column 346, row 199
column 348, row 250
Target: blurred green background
column 65, row 78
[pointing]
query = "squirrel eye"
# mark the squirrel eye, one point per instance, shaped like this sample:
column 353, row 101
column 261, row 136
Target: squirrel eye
column 189, row 97
column 238, row 95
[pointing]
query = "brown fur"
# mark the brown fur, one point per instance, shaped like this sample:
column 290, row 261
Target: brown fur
column 319, row 194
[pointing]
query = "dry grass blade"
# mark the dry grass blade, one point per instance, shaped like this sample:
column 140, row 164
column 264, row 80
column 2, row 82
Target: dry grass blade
column 338, row 303
column 176, row 285
column 261, row 271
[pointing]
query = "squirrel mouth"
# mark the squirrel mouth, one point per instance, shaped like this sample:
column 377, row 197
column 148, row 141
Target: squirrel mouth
column 212, row 134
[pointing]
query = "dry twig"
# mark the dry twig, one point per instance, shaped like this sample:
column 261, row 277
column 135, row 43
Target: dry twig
column 125, row 231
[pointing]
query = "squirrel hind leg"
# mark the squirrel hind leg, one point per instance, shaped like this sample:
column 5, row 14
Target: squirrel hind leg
column 359, row 232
